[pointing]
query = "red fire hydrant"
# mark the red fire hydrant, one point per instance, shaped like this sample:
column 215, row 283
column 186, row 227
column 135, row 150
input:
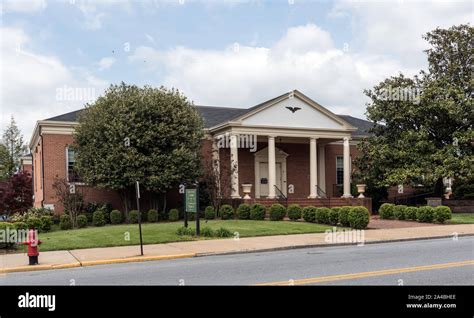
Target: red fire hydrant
column 32, row 242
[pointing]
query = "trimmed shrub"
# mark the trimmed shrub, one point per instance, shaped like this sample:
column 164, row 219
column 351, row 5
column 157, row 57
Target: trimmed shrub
column 65, row 222
column 322, row 215
column 344, row 215
column 243, row 211
column 35, row 222
column 191, row 216
column 227, row 212
column 223, row 232
column 152, row 215
column 209, row 213
column 386, row 210
column 442, row 213
column 333, row 216
column 7, row 226
column 46, row 223
column 21, row 226
column 425, row 214
column 98, row 218
column 359, row 217
column 309, row 214
column 185, row 231
column 277, row 212
column 410, row 213
column 143, row 216
column 88, row 216
column 162, row 215
column 173, row 215
column 82, row 221
column 207, row 232
column 257, row 212
column 294, row 212
column 115, row 217
column 399, row 212
column 133, row 216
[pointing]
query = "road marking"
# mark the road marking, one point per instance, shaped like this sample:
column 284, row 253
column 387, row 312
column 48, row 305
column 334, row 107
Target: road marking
column 323, row 279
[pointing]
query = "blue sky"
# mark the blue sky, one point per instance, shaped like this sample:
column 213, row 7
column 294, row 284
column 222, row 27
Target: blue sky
column 229, row 53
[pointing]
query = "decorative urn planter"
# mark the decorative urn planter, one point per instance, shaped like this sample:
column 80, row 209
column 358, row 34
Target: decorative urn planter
column 361, row 190
column 246, row 189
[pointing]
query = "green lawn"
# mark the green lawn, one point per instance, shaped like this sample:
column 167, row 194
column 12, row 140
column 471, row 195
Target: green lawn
column 114, row 235
column 461, row 218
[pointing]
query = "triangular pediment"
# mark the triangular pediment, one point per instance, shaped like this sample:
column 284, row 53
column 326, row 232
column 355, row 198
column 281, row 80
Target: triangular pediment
column 293, row 110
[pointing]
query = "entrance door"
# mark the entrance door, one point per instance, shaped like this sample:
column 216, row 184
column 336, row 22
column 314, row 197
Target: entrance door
column 264, row 178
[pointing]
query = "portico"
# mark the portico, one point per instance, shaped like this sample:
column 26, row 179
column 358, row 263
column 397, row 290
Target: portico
column 290, row 157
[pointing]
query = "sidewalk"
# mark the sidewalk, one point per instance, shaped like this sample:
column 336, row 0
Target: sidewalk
column 110, row 255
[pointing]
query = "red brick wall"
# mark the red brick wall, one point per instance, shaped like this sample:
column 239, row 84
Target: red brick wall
column 331, row 152
column 28, row 168
column 297, row 170
column 55, row 167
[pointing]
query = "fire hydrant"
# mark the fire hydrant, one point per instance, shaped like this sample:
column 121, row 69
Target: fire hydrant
column 32, row 242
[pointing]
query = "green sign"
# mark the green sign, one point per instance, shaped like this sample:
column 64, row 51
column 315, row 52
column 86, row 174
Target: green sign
column 191, row 200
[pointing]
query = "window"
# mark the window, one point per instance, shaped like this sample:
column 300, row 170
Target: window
column 72, row 175
column 339, row 169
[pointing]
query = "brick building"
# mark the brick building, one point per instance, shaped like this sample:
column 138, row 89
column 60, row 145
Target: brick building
column 288, row 147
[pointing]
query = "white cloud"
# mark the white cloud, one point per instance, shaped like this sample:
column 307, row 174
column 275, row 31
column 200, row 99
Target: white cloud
column 395, row 28
column 92, row 18
column 305, row 58
column 30, row 83
column 106, row 63
column 23, row 6
column 94, row 13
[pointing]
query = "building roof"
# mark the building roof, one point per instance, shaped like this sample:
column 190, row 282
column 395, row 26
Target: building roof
column 215, row 115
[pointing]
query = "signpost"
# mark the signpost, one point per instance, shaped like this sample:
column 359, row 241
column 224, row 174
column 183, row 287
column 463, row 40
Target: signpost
column 191, row 205
column 137, row 188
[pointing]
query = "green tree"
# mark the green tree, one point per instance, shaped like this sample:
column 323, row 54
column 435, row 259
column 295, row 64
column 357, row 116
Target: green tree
column 145, row 134
column 5, row 160
column 13, row 143
column 423, row 126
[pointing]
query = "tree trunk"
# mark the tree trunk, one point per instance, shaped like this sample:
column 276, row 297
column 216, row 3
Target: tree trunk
column 439, row 188
column 126, row 203
column 164, row 202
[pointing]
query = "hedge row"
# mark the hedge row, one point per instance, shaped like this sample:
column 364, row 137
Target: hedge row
column 426, row 214
column 356, row 217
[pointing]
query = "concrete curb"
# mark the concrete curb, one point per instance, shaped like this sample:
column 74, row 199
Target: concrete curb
column 295, row 247
column 137, row 259
column 38, row 268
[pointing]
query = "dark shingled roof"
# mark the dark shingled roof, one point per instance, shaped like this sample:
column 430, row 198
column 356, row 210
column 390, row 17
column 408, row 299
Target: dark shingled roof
column 72, row 116
column 214, row 115
column 362, row 125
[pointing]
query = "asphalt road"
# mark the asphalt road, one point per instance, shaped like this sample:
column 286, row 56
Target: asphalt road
column 427, row 262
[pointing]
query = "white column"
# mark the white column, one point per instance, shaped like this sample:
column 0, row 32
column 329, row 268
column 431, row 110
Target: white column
column 322, row 167
column 347, row 169
column 216, row 164
column 271, row 167
column 313, row 172
column 234, row 164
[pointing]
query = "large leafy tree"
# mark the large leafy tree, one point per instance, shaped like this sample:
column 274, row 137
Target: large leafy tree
column 430, row 135
column 145, row 134
column 12, row 149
